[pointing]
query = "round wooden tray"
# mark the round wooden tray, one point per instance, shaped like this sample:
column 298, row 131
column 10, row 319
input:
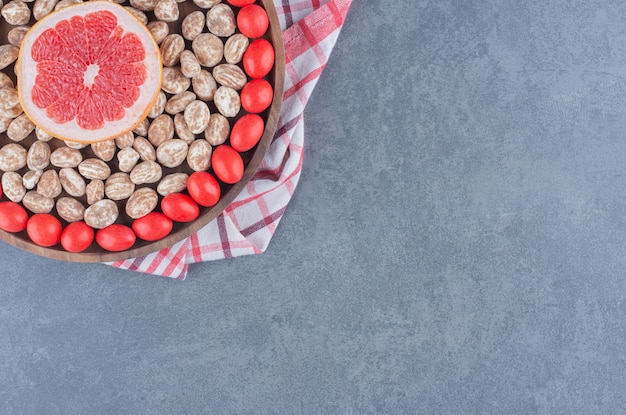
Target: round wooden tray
column 252, row 160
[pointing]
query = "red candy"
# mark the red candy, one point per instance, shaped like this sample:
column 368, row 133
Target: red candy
column 179, row 207
column 246, row 132
column 252, row 21
column 258, row 59
column 227, row 164
column 13, row 217
column 44, row 229
column 116, row 237
column 76, row 237
column 256, row 95
column 203, row 188
column 153, row 226
column 240, row 3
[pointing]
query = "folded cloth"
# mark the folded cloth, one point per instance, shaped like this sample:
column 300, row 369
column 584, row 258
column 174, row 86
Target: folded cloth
column 310, row 30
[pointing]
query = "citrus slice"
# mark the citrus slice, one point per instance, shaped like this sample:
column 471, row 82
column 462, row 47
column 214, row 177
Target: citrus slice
column 89, row 72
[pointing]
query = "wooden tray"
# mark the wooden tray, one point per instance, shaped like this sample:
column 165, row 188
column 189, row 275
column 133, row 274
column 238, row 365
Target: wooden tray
column 252, row 159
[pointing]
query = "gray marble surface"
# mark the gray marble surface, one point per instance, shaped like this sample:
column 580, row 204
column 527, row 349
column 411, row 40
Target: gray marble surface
column 456, row 244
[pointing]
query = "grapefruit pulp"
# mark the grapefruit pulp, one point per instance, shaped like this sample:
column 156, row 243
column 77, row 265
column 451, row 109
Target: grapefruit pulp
column 89, row 72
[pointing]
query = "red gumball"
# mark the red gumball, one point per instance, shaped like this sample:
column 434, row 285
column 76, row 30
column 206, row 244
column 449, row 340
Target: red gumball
column 256, row 96
column 240, row 3
column 258, row 59
column 76, row 237
column 44, row 229
column 179, row 207
column 13, row 217
column 246, row 132
column 116, row 237
column 203, row 188
column 152, row 227
column 227, row 164
column 252, row 21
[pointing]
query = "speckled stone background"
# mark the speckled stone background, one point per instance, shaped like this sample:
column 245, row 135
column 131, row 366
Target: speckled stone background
column 457, row 244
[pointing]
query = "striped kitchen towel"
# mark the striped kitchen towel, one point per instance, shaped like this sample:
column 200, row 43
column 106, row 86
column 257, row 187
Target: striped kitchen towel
column 310, row 30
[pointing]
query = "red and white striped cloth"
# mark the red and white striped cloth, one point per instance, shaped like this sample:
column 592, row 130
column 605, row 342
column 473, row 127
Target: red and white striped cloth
column 310, row 30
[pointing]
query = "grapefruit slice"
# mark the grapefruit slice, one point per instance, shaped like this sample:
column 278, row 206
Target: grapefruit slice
column 89, row 72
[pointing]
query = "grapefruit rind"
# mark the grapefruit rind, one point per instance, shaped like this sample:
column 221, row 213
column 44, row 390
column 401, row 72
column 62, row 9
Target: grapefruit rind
column 71, row 131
